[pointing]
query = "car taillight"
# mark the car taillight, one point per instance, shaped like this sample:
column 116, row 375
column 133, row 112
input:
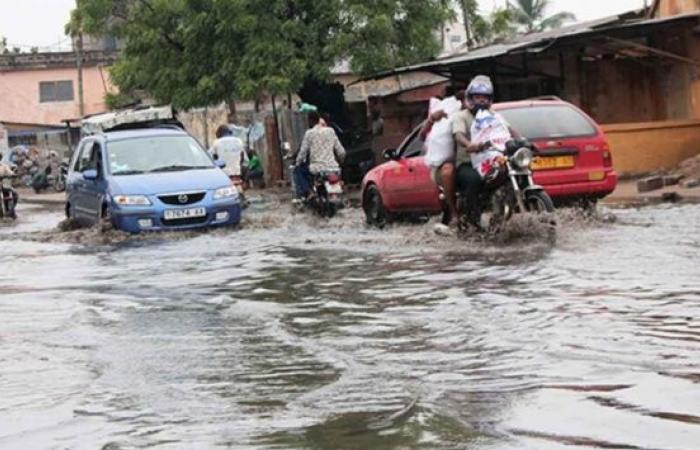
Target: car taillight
column 607, row 156
column 333, row 178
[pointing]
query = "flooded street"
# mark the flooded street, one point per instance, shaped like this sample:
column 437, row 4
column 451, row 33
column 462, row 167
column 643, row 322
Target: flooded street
column 291, row 333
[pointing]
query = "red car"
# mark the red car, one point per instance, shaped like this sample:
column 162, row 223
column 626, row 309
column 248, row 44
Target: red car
column 573, row 163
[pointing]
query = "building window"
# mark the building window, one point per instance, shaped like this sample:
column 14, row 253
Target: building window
column 56, row 91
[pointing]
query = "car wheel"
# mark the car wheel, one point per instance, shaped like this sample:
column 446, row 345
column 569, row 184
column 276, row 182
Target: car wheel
column 375, row 213
column 105, row 223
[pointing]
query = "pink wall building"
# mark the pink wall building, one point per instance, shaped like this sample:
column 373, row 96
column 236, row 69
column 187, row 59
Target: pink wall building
column 43, row 88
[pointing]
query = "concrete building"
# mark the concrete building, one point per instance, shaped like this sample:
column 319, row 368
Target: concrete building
column 43, row 88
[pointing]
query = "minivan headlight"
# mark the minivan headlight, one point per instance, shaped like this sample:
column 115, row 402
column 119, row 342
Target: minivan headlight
column 131, row 200
column 523, row 158
column 225, row 192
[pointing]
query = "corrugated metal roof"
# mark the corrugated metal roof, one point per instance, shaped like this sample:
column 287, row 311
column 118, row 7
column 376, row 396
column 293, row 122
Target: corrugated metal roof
column 535, row 41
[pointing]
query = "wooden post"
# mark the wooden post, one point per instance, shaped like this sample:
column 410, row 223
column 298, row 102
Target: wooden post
column 79, row 65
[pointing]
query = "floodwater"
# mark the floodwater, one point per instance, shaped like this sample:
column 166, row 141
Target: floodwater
column 291, row 333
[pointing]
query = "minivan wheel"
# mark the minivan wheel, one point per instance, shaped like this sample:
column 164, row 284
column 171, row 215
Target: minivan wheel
column 106, row 224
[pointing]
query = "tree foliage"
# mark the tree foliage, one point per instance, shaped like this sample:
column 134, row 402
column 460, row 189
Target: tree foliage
column 531, row 15
column 199, row 52
column 485, row 28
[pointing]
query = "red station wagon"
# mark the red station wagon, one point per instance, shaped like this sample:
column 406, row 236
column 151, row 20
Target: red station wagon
column 574, row 162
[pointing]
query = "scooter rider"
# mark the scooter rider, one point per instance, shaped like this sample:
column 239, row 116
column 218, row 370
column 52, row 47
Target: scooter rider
column 322, row 148
column 478, row 97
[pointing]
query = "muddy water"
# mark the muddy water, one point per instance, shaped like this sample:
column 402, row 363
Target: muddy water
column 293, row 333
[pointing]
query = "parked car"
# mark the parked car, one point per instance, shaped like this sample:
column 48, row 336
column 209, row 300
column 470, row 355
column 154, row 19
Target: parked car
column 574, row 163
column 147, row 180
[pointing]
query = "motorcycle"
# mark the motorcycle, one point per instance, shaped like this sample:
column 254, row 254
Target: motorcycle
column 326, row 187
column 8, row 198
column 327, row 196
column 509, row 190
column 59, row 182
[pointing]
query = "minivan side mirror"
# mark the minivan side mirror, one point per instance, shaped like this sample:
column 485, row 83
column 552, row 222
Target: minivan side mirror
column 390, row 154
column 220, row 163
column 90, row 174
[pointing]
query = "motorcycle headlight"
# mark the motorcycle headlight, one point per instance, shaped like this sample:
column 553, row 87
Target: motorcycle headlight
column 523, row 158
column 131, row 200
column 225, row 192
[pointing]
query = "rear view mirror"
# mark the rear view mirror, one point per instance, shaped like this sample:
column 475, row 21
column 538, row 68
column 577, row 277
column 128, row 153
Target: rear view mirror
column 220, row 163
column 90, row 174
column 389, row 154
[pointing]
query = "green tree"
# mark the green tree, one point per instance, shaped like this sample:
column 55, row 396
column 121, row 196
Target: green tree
column 531, row 15
column 199, row 52
column 483, row 29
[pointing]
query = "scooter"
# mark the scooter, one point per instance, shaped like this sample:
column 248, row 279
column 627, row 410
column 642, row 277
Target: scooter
column 8, row 198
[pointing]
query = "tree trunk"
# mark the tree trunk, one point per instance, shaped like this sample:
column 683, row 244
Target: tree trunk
column 231, row 111
column 467, row 23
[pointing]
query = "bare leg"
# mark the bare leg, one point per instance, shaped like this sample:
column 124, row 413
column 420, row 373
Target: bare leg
column 448, row 175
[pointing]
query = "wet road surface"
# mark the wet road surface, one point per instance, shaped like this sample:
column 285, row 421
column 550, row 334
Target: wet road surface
column 293, row 333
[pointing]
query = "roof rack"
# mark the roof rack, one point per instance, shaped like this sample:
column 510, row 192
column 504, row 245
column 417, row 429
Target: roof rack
column 170, row 126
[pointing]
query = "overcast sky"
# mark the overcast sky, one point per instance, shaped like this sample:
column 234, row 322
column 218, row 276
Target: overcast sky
column 30, row 23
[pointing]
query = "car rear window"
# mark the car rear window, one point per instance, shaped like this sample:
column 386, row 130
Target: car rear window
column 548, row 121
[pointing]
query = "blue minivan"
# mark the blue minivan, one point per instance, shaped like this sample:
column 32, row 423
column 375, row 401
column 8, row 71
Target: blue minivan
column 147, row 180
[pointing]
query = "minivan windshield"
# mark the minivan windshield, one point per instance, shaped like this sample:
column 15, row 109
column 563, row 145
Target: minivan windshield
column 548, row 121
column 156, row 154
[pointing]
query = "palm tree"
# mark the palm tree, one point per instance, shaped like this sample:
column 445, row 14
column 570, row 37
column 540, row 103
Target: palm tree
column 531, row 15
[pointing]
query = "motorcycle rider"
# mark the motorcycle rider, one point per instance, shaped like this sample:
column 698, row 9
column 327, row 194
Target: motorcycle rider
column 478, row 97
column 6, row 171
column 322, row 148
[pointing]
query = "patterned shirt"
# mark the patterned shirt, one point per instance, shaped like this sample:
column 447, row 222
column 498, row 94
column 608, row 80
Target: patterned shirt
column 322, row 146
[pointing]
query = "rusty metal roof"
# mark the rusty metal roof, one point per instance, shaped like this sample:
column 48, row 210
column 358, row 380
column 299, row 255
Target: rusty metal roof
column 537, row 42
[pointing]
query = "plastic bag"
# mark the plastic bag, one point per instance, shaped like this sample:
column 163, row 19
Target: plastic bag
column 489, row 127
column 440, row 143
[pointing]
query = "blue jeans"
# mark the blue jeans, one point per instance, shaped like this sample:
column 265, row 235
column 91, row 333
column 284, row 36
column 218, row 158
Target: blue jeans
column 302, row 180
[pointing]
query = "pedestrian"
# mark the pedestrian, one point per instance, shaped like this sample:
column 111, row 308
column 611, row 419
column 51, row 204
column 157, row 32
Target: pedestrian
column 254, row 171
column 230, row 150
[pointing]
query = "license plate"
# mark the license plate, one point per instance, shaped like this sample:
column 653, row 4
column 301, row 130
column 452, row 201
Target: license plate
column 189, row 213
column 334, row 188
column 553, row 162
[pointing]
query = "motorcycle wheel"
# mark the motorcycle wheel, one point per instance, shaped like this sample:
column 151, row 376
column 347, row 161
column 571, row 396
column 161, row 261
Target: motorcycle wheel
column 331, row 209
column 375, row 214
column 59, row 185
column 539, row 202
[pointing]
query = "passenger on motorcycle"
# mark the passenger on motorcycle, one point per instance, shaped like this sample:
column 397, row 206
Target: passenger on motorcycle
column 323, row 150
column 476, row 158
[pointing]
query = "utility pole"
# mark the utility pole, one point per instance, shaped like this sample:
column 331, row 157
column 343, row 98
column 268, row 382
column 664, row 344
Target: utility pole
column 79, row 64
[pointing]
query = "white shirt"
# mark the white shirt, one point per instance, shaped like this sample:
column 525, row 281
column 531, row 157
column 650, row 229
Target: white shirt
column 230, row 150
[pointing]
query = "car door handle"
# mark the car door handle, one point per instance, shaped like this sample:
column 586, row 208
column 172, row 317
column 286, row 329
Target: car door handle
column 411, row 169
